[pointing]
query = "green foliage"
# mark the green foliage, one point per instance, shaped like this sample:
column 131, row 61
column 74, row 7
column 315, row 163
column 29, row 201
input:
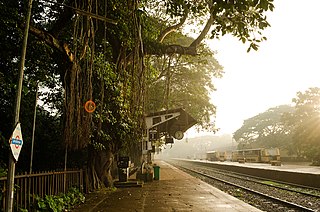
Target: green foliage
column 295, row 129
column 304, row 123
column 3, row 172
column 119, row 71
column 113, row 124
column 243, row 19
column 61, row 202
column 184, row 82
column 39, row 68
column 265, row 130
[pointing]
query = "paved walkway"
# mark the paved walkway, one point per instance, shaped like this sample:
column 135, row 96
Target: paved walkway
column 175, row 191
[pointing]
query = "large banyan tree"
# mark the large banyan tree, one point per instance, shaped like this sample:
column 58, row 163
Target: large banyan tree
column 100, row 49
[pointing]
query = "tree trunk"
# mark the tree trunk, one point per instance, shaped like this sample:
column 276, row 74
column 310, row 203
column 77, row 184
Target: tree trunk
column 99, row 168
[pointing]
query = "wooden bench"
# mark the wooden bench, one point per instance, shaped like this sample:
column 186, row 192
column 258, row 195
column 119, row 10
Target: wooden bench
column 275, row 163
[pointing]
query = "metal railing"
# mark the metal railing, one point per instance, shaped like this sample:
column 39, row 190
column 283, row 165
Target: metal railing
column 28, row 186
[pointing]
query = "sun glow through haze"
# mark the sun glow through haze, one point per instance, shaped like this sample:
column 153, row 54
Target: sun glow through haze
column 284, row 64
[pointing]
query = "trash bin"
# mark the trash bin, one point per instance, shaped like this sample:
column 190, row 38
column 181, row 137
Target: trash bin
column 156, row 171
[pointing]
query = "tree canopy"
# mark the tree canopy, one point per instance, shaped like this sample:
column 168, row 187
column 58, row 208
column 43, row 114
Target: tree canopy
column 99, row 50
column 304, row 123
column 184, row 82
column 265, row 129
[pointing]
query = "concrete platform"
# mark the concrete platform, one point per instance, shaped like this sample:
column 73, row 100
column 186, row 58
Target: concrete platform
column 175, row 191
column 300, row 174
column 302, row 167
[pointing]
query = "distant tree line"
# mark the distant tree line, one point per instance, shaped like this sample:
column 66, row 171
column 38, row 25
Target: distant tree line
column 295, row 128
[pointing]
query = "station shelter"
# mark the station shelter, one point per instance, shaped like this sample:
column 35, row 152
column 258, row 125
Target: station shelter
column 163, row 127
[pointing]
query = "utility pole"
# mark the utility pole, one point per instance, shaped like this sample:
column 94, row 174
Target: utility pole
column 11, row 166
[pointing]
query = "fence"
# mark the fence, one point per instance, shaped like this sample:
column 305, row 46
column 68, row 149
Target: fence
column 27, row 186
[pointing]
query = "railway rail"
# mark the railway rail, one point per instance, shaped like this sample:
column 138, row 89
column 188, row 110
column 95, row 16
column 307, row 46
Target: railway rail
column 307, row 190
column 263, row 194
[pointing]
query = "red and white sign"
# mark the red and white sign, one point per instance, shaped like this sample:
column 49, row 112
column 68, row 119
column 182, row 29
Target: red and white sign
column 16, row 142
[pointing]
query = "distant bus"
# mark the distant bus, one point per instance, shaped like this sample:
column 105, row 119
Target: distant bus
column 258, row 155
column 216, row 156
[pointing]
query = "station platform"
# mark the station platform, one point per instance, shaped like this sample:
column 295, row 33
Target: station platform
column 303, row 167
column 175, row 191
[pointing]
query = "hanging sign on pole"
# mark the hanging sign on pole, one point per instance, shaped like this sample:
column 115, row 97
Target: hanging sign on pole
column 16, row 142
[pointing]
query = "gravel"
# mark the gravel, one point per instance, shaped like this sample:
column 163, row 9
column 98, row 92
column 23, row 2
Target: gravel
column 252, row 199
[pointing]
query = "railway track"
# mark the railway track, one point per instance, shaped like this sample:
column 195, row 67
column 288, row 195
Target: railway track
column 305, row 190
column 265, row 196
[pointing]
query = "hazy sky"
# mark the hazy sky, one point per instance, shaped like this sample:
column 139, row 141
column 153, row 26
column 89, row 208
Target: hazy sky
column 286, row 63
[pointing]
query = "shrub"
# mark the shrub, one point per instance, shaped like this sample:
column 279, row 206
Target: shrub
column 60, row 202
